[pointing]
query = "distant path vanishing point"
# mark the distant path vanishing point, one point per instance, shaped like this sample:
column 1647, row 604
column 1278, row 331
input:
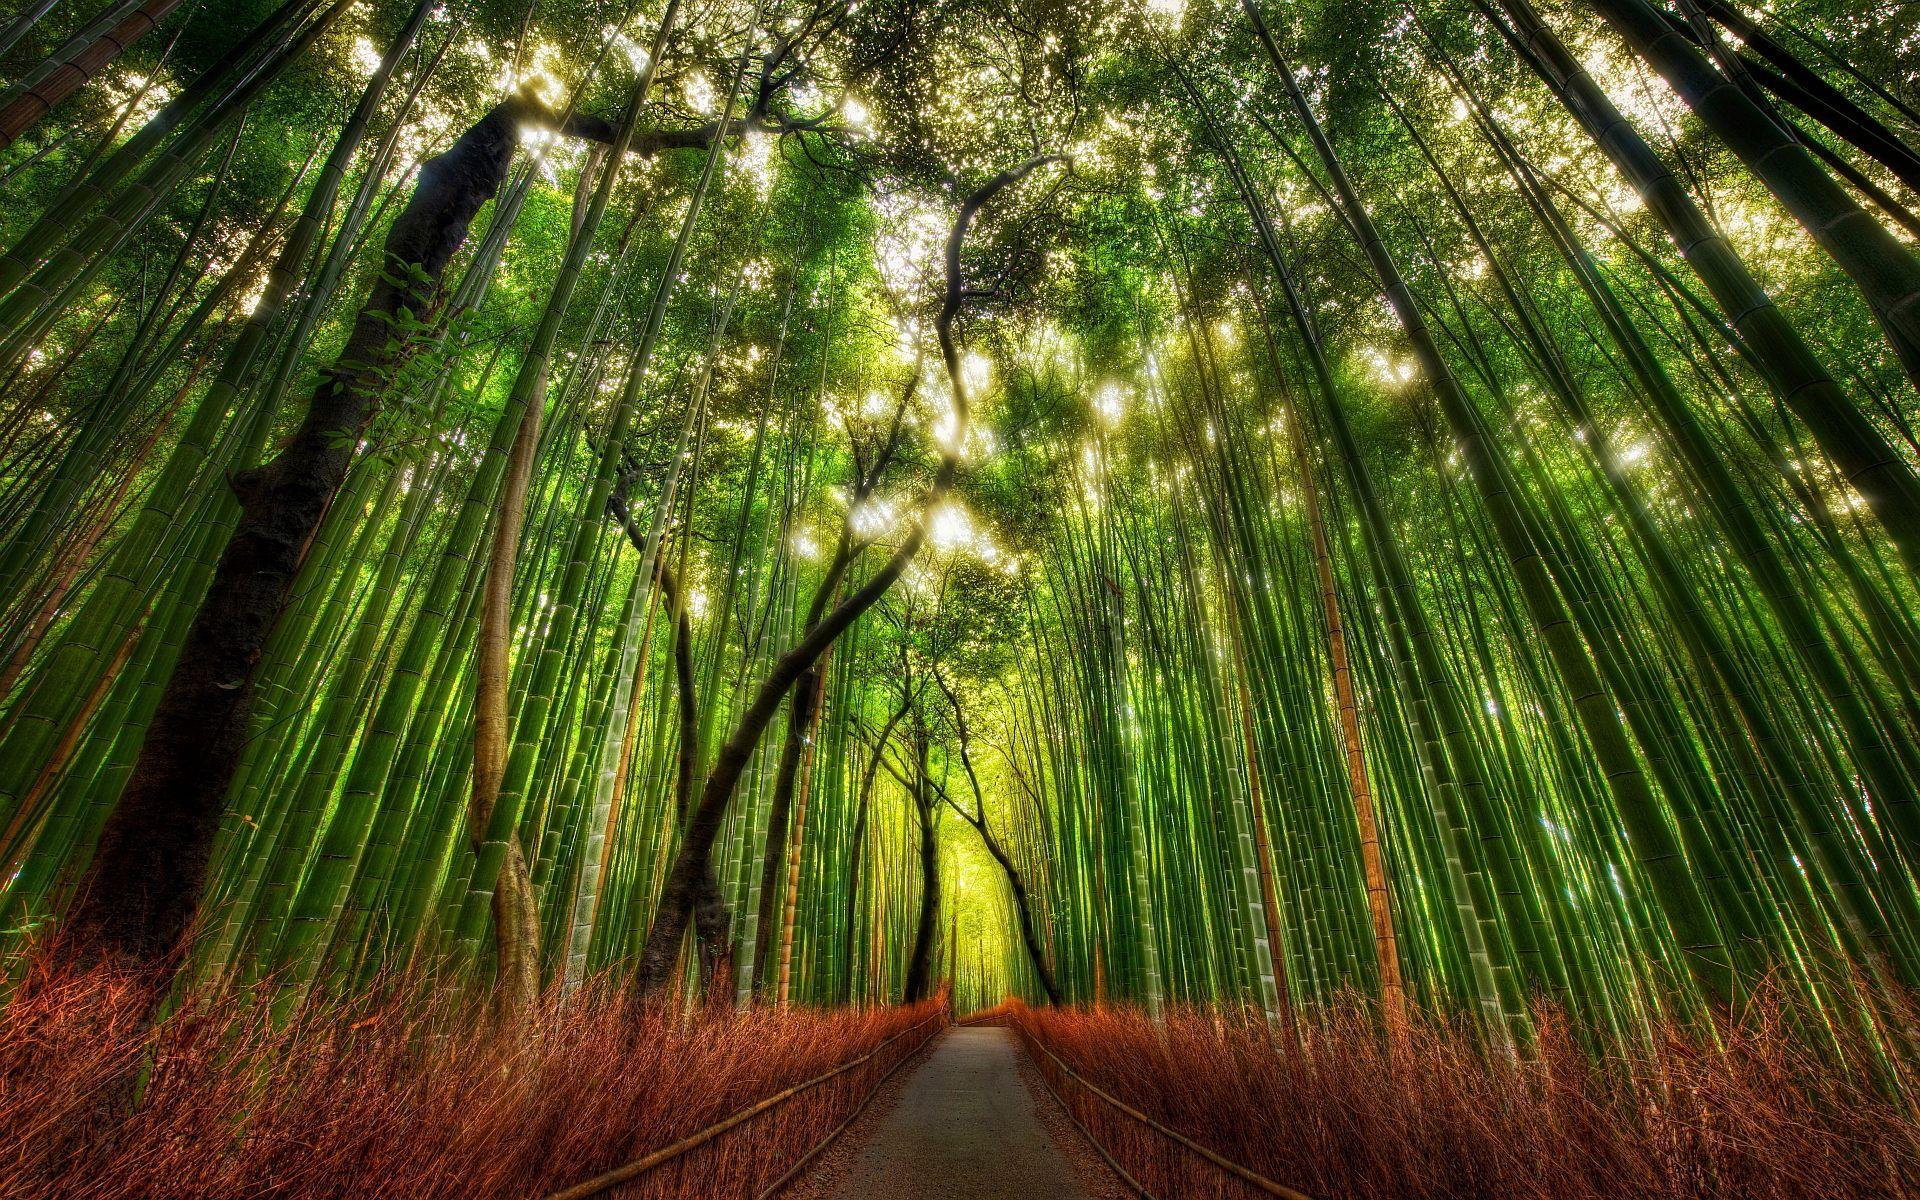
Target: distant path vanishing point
column 965, row 1126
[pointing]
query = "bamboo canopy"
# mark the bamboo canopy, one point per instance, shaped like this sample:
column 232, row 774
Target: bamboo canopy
column 1151, row 501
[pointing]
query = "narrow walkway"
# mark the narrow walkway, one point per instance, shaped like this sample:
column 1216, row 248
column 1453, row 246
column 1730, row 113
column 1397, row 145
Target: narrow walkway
column 964, row 1127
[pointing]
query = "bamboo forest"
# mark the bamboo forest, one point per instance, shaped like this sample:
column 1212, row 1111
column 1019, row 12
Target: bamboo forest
column 959, row 598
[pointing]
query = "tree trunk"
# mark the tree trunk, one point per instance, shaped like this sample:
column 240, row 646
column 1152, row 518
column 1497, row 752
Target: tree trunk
column 516, row 920
column 1393, row 992
column 920, row 962
column 712, row 922
column 1653, row 841
column 694, row 860
column 800, row 713
column 1791, row 81
column 1023, row 910
column 23, row 24
column 857, row 841
column 77, row 67
column 138, row 897
column 1885, row 269
column 790, row 906
column 1022, row 903
column 1857, row 447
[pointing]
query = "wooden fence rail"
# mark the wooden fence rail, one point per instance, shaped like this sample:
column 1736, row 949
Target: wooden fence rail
column 666, row 1154
column 1043, row 1058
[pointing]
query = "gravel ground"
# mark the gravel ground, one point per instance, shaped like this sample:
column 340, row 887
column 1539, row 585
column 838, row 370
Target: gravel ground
column 969, row 1119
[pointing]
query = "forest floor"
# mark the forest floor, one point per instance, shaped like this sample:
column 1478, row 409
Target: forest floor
column 970, row 1119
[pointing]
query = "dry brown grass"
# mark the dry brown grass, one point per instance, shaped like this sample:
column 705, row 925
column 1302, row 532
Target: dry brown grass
column 1761, row 1115
column 411, row 1092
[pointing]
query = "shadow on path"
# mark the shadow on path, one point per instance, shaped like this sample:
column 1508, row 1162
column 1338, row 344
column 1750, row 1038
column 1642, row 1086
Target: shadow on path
column 965, row 1126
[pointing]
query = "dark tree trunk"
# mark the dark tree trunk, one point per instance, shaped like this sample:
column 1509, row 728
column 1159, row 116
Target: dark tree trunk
column 23, row 23
column 1851, row 124
column 857, row 841
column 1871, row 464
column 139, row 895
column 78, row 68
column 920, row 962
column 1782, row 73
column 712, row 924
column 662, row 947
column 711, row 921
column 1885, row 270
column 800, row 714
column 806, row 701
column 1694, row 922
column 677, row 896
column 1022, row 903
column 1023, row 909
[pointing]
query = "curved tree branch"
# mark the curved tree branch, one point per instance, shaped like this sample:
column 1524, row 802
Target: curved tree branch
column 662, row 946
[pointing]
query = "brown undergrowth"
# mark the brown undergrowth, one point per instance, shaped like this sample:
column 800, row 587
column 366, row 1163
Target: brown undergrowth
column 1752, row 1111
column 410, row 1092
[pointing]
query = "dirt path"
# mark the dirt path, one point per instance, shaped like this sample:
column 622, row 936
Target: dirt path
column 964, row 1125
